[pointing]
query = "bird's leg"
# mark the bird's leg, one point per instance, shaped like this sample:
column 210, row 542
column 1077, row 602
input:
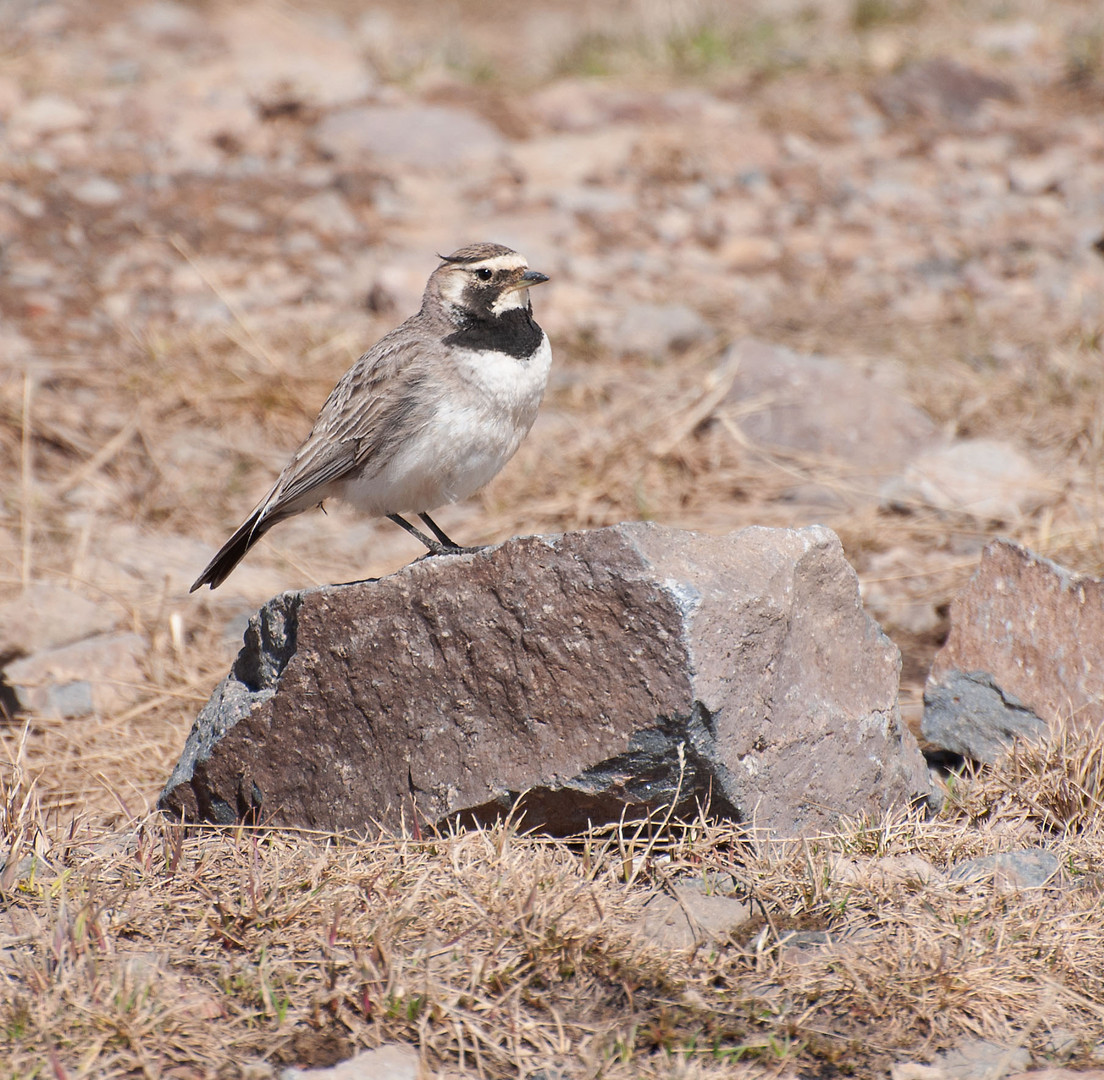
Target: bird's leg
column 442, row 545
column 451, row 547
column 439, row 532
column 434, row 547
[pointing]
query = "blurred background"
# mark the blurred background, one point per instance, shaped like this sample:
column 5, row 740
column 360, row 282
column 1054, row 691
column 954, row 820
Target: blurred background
column 820, row 260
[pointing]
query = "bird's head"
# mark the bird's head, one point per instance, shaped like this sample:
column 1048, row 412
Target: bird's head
column 482, row 281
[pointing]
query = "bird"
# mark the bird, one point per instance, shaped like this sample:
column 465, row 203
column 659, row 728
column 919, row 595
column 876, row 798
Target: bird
column 428, row 415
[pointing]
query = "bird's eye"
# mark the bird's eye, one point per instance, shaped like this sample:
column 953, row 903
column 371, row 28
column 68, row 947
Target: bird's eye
column 484, row 274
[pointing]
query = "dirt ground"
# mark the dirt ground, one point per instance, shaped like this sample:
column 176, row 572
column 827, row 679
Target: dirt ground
column 193, row 247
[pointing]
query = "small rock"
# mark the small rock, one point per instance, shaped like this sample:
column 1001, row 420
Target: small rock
column 1010, row 38
column 1032, row 629
column 328, row 213
column 889, row 872
column 989, row 479
column 938, row 89
column 1037, row 175
column 1059, row 1074
column 1061, row 1044
column 912, row 1070
column 167, row 19
column 95, row 675
column 809, row 946
column 384, row 1063
column 242, row 218
column 597, row 672
column 1031, row 868
column 982, row 1060
column 256, row 1070
column 422, row 136
column 746, row 254
column 45, row 616
column 658, row 330
column 591, row 201
column 98, row 191
column 46, row 115
column 23, row 202
column 690, row 916
column 570, row 105
column 557, row 163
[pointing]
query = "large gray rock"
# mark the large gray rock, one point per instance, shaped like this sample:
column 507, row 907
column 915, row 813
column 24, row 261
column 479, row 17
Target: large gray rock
column 575, row 669
column 1026, row 649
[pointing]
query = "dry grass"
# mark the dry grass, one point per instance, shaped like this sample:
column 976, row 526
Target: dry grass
column 1056, row 785
column 156, row 950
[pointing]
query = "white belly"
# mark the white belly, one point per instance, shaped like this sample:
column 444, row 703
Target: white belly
column 488, row 406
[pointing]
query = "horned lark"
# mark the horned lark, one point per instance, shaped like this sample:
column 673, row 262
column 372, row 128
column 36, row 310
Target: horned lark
column 428, row 415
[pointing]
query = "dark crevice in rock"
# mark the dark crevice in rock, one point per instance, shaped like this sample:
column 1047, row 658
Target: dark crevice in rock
column 647, row 777
column 270, row 642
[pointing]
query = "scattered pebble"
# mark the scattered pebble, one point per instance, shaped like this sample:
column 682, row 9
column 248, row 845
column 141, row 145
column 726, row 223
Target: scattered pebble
column 1031, row 868
column 98, row 191
column 384, row 1063
column 97, row 675
column 989, row 479
column 46, row 115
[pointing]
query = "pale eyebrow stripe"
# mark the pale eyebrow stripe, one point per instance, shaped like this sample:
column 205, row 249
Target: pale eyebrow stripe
column 498, row 262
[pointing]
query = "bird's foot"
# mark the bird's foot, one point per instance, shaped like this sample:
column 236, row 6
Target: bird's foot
column 445, row 549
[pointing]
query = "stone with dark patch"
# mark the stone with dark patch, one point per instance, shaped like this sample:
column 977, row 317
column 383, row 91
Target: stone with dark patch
column 1024, row 652
column 597, row 673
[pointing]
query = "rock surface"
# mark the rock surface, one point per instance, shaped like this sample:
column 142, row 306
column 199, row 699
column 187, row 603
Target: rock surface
column 1025, row 650
column 975, row 1059
column 423, row 136
column 576, row 669
column 967, row 713
column 656, row 330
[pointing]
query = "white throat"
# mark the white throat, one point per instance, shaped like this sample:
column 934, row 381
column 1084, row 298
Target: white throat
column 515, row 298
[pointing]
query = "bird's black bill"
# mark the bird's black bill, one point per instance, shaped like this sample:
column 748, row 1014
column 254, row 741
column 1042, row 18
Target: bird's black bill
column 533, row 277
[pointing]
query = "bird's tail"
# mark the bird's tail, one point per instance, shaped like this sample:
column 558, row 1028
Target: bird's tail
column 233, row 551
